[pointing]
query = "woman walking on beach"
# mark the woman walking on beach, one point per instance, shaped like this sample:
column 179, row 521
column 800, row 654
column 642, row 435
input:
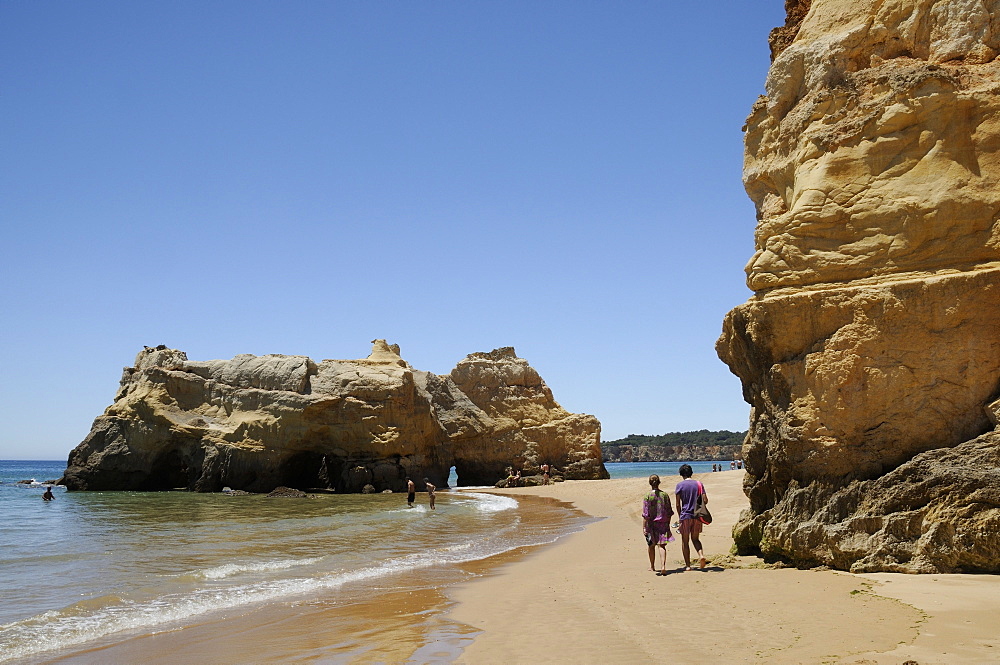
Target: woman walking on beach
column 656, row 514
column 688, row 491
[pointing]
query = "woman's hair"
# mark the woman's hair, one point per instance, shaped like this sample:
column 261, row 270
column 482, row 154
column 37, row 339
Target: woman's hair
column 654, row 480
column 685, row 470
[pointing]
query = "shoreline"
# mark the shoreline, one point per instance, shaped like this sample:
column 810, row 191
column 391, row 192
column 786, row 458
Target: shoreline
column 590, row 595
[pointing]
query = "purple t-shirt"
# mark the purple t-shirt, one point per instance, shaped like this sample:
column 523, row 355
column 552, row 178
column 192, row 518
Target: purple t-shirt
column 688, row 491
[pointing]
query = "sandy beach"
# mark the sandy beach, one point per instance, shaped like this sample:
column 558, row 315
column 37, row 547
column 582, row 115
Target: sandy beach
column 590, row 598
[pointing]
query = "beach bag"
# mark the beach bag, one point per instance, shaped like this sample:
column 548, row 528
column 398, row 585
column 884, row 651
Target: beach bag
column 701, row 510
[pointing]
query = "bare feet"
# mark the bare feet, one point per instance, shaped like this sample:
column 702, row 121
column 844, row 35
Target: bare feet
column 702, row 563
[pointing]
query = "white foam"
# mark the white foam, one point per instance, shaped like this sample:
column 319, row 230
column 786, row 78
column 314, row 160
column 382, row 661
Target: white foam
column 230, row 569
column 492, row 503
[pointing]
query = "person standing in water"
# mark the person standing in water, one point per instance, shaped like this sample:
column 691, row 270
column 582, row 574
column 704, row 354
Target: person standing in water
column 411, row 493
column 656, row 514
column 47, row 496
column 688, row 491
column 430, row 492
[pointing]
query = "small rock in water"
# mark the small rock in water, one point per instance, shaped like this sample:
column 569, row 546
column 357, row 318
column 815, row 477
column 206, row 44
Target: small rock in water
column 289, row 492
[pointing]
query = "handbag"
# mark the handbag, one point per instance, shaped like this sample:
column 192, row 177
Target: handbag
column 701, row 510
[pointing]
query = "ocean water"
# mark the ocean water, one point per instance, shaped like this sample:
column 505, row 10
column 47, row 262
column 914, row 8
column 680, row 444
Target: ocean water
column 664, row 470
column 92, row 569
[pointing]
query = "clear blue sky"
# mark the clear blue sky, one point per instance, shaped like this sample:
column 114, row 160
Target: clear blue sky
column 302, row 177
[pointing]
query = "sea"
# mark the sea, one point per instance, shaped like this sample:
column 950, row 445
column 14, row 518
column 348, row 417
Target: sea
column 665, row 470
column 173, row 577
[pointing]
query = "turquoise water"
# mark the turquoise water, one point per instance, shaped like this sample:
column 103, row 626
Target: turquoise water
column 662, row 469
column 92, row 568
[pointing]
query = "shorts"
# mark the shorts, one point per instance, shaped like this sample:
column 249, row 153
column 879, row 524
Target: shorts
column 659, row 534
column 410, row 497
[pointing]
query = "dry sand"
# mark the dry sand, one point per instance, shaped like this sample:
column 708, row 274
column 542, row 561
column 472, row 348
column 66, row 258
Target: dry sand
column 590, row 598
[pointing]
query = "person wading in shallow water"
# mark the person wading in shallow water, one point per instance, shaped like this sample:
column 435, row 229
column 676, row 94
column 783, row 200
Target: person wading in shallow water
column 47, row 496
column 411, row 493
column 687, row 492
column 656, row 514
column 430, row 492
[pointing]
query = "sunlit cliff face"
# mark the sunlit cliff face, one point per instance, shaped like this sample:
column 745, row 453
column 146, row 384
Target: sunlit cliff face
column 875, row 150
column 870, row 352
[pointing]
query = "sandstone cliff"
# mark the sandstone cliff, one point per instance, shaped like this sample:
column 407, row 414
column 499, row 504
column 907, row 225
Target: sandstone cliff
column 870, row 351
column 254, row 423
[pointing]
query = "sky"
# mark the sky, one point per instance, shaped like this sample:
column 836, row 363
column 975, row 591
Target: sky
column 303, row 177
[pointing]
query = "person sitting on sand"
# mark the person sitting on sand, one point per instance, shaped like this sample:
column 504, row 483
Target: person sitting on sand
column 656, row 514
column 411, row 493
column 687, row 492
column 47, row 496
column 513, row 478
column 430, row 492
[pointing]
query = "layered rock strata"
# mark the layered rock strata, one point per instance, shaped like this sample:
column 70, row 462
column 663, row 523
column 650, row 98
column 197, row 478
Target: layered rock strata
column 254, row 423
column 870, row 351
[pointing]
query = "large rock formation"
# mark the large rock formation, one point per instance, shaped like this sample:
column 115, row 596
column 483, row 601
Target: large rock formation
column 254, row 423
column 870, row 351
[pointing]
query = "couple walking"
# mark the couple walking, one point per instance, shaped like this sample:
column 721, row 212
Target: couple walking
column 656, row 514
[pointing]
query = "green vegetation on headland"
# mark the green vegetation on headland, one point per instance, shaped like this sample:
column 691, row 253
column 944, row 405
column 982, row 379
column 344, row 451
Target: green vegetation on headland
column 675, row 447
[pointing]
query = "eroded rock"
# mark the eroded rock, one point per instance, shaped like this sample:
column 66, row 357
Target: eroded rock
column 870, row 352
column 257, row 422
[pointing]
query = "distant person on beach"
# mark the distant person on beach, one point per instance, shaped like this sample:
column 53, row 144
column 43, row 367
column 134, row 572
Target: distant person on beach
column 47, row 496
column 411, row 493
column 656, row 514
column 687, row 492
column 430, row 492
column 546, row 474
column 513, row 478
column 739, row 464
column 732, row 465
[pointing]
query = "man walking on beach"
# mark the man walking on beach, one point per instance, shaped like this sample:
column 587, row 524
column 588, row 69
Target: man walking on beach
column 411, row 493
column 687, row 492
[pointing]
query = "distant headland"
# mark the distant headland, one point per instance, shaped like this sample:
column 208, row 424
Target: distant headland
column 697, row 446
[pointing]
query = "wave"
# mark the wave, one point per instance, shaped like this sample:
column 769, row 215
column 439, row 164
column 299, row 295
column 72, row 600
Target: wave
column 492, row 503
column 230, row 569
column 221, row 587
column 97, row 618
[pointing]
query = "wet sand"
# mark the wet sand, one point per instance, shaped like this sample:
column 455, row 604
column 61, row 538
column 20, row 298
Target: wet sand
column 591, row 598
